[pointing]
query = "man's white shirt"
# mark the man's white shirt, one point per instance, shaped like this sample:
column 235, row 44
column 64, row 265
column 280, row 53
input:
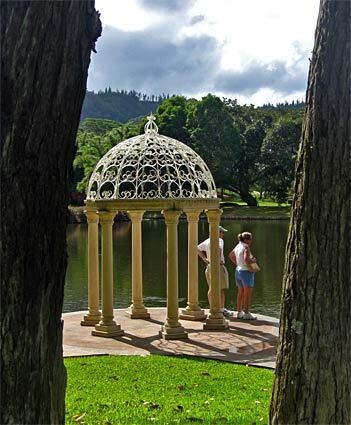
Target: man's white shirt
column 205, row 246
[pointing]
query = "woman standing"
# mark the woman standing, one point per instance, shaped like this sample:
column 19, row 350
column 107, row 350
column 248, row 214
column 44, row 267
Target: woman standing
column 241, row 257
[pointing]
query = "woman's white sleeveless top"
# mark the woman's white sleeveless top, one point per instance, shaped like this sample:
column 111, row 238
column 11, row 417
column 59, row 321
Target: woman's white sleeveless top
column 239, row 255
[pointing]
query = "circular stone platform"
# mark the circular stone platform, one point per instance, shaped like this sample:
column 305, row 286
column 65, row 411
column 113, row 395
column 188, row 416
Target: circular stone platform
column 248, row 342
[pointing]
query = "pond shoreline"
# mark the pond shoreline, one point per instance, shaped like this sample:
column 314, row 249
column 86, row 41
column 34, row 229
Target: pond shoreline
column 76, row 216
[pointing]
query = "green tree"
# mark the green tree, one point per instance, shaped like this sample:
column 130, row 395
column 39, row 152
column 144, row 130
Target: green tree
column 93, row 146
column 125, row 131
column 98, row 125
column 171, row 118
column 229, row 138
column 252, row 125
column 266, row 157
column 214, row 136
column 245, row 165
column 278, row 156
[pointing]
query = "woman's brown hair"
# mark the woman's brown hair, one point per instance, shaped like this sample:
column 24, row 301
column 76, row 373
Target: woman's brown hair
column 244, row 236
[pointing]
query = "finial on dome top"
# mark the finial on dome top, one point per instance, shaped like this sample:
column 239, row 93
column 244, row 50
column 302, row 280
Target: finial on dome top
column 150, row 126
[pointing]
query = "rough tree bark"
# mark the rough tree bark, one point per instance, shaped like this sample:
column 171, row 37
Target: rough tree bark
column 45, row 54
column 312, row 381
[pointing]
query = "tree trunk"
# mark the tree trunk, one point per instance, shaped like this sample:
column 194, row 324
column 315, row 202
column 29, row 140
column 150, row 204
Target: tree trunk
column 45, row 54
column 312, row 381
column 246, row 196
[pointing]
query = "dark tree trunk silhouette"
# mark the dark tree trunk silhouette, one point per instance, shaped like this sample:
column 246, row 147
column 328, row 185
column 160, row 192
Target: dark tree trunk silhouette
column 246, row 196
column 312, row 381
column 45, row 54
column 244, row 192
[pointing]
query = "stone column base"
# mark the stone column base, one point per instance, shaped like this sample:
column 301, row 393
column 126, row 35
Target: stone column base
column 215, row 324
column 108, row 331
column 141, row 313
column 192, row 314
column 90, row 319
column 178, row 332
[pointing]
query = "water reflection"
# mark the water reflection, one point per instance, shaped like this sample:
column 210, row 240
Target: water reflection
column 268, row 247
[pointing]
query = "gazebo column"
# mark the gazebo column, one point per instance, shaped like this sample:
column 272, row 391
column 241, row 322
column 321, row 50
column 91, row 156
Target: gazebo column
column 193, row 310
column 94, row 315
column 107, row 327
column 215, row 320
column 137, row 309
column 172, row 329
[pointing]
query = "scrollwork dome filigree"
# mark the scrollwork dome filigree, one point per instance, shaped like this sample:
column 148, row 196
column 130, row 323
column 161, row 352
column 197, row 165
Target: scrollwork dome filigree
column 151, row 166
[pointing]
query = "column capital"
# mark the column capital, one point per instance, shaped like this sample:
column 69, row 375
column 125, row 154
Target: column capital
column 192, row 216
column 92, row 216
column 213, row 216
column 136, row 216
column 107, row 217
column 171, row 216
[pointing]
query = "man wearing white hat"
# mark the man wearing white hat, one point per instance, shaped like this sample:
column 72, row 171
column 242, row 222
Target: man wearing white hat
column 203, row 250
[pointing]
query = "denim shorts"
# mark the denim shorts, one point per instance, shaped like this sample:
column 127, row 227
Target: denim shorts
column 244, row 278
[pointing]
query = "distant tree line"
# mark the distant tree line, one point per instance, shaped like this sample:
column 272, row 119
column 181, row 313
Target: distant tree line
column 249, row 150
column 295, row 104
column 119, row 105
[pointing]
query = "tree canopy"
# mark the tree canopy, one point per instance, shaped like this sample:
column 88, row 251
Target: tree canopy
column 247, row 149
column 278, row 154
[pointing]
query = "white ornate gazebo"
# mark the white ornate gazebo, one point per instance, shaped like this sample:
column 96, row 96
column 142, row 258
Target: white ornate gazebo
column 151, row 172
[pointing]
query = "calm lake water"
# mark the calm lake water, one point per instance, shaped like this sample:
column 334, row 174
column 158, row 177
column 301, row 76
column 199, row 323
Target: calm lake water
column 268, row 246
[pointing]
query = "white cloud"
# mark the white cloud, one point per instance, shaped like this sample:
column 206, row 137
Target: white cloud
column 250, row 35
column 125, row 15
column 256, row 29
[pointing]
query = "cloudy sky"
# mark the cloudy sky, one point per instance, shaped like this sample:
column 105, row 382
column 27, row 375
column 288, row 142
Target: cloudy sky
column 256, row 51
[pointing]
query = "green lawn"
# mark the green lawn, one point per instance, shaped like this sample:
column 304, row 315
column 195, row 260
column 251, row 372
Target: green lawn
column 262, row 203
column 262, row 211
column 165, row 390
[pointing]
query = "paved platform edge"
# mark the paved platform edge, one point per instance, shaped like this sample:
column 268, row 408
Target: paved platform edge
column 75, row 351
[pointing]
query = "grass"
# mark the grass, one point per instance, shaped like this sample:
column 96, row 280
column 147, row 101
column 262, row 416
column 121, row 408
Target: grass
column 165, row 390
column 262, row 211
column 261, row 203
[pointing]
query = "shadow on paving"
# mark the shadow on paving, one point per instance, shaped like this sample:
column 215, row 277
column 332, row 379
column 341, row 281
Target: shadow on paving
column 248, row 342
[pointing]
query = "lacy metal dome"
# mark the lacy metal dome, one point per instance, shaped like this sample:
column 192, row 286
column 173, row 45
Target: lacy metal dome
column 151, row 166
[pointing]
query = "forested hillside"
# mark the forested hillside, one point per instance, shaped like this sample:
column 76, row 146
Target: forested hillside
column 118, row 105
